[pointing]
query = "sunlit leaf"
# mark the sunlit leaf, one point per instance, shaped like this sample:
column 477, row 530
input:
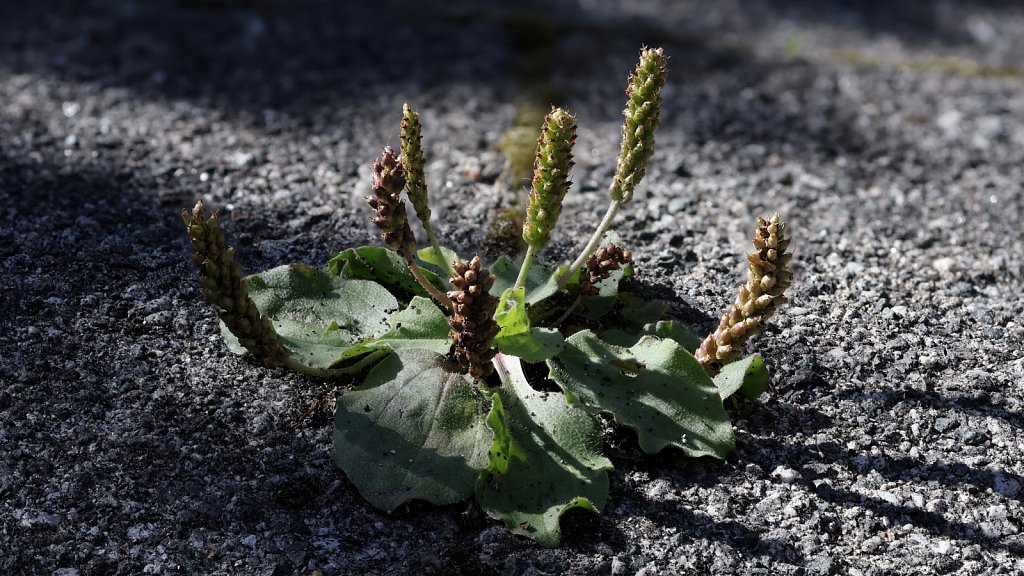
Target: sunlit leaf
column 383, row 266
column 438, row 261
column 318, row 315
column 655, row 387
column 545, row 459
column 516, row 337
column 748, row 376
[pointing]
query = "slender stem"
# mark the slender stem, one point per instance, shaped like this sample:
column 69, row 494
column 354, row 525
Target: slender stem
column 508, row 368
column 524, row 270
column 430, row 288
column 567, row 312
column 437, row 250
column 367, row 360
column 595, row 240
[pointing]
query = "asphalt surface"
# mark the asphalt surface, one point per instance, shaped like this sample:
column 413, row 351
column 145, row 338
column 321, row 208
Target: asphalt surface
column 890, row 136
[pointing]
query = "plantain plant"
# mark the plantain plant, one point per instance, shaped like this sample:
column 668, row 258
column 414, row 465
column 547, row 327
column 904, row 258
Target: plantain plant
column 442, row 409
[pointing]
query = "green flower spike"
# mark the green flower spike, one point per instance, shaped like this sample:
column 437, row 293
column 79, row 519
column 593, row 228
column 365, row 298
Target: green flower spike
column 757, row 300
column 415, row 179
column 221, row 278
column 552, row 164
column 643, row 111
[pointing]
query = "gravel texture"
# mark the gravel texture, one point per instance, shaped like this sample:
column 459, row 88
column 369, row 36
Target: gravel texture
column 889, row 135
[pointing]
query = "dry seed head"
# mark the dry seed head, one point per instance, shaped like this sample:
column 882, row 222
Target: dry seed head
column 389, row 208
column 552, row 164
column 473, row 325
column 221, row 279
column 600, row 265
column 768, row 277
column 642, row 114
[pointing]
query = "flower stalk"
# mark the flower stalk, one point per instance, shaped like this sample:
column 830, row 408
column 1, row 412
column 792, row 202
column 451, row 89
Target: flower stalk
column 390, row 216
column 642, row 115
column 413, row 164
column 768, row 277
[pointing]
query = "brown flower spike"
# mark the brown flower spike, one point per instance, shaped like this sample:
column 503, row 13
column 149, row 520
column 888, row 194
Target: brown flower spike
column 388, row 206
column 473, row 325
column 757, row 300
column 221, row 278
column 599, row 266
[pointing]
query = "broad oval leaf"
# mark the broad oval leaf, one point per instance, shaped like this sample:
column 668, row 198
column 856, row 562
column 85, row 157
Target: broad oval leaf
column 748, row 376
column 412, row 431
column 655, row 387
column 420, row 325
column 545, row 458
column 318, row 315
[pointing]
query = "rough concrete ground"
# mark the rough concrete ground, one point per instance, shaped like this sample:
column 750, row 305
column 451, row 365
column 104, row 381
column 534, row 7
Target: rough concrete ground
column 889, row 135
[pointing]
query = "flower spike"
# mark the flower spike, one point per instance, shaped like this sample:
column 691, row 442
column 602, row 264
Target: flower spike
column 473, row 325
column 388, row 207
column 221, row 278
column 415, row 177
column 768, row 277
column 642, row 113
column 643, row 110
column 391, row 218
column 599, row 266
column 552, row 164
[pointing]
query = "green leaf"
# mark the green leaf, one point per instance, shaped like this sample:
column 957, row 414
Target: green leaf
column 670, row 329
column 545, row 458
column 655, row 387
column 505, row 272
column 421, row 325
column 549, row 287
column 748, row 376
column 637, row 312
column 539, row 281
column 597, row 305
column 383, row 266
column 516, row 337
column 592, row 307
column 412, row 431
column 439, row 261
column 318, row 315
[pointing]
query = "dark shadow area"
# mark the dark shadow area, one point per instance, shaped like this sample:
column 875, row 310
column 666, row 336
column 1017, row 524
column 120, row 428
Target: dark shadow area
column 932, row 522
column 977, row 402
column 953, row 475
column 243, row 56
column 104, row 429
column 308, row 57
